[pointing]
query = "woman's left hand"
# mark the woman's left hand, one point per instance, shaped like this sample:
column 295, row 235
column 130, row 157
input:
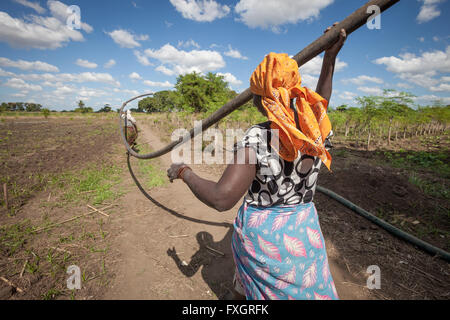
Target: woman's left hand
column 173, row 171
column 334, row 49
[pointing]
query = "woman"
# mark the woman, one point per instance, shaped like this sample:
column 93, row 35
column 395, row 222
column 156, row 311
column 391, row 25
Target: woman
column 131, row 128
column 277, row 244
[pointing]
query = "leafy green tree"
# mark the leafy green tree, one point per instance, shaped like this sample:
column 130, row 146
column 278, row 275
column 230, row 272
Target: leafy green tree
column 46, row 112
column 202, row 93
column 106, row 108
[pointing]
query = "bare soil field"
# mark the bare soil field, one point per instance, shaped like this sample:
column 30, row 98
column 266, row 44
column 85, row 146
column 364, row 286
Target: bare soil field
column 167, row 244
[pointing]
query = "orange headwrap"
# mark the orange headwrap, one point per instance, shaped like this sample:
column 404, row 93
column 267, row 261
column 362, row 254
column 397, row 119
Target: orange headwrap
column 278, row 81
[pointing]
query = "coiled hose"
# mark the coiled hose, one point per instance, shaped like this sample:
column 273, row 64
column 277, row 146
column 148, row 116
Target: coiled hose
column 386, row 226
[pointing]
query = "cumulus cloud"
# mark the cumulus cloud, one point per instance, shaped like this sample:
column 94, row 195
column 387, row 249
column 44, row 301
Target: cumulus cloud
column 314, row 66
column 311, row 70
column 273, row 14
column 233, row 53
column 360, row 80
column 86, row 64
column 347, row 95
column 60, row 12
column 430, row 99
column 126, row 91
column 376, row 91
column 231, row 79
column 200, row 10
column 441, row 87
column 165, row 84
column 40, row 32
column 420, row 70
column 165, row 70
column 181, row 62
column 135, row 76
column 187, row 44
column 33, row 5
column 142, row 59
column 126, row 39
column 429, row 10
column 111, row 63
column 17, row 83
column 28, row 65
column 69, row 77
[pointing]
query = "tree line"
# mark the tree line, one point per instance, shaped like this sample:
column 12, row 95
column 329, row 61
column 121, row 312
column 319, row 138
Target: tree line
column 388, row 117
column 193, row 93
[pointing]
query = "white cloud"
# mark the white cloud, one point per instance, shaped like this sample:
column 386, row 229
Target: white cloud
column 187, row 44
column 168, row 24
column 309, row 81
column 60, row 12
column 314, row 66
column 233, row 53
column 371, row 90
column 126, row 39
column 135, row 76
column 419, row 70
column 71, row 77
column 422, row 39
column 4, row 73
column 436, row 39
column 142, row 59
column 273, row 14
column 86, row 64
column 165, row 70
column 429, row 10
column 181, row 62
column 347, row 95
column 360, row 80
column 22, row 85
column 28, row 65
column 33, row 5
column 111, row 63
column 231, row 79
column 200, row 10
column 430, row 99
column 37, row 32
column 127, row 91
column 404, row 85
column 410, row 63
column 165, row 84
column 441, row 87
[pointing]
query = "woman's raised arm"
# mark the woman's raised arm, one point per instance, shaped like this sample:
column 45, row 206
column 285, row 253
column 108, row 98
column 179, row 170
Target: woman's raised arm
column 325, row 84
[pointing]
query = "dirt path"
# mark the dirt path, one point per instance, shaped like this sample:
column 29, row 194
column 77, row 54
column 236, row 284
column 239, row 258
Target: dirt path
column 146, row 231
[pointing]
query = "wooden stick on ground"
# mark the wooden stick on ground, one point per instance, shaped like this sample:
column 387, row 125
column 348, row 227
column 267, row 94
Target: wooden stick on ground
column 23, row 268
column 11, row 284
column 5, row 195
column 216, row 251
column 68, row 220
column 99, row 211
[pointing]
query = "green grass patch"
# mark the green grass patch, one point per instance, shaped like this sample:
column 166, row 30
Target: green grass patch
column 429, row 188
column 154, row 176
column 13, row 237
column 91, row 184
column 437, row 162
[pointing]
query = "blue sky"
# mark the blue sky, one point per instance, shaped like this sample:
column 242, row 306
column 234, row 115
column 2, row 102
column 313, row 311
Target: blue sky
column 124, row 48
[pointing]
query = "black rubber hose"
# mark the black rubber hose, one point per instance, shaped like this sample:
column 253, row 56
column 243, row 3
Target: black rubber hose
column 386, row 226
